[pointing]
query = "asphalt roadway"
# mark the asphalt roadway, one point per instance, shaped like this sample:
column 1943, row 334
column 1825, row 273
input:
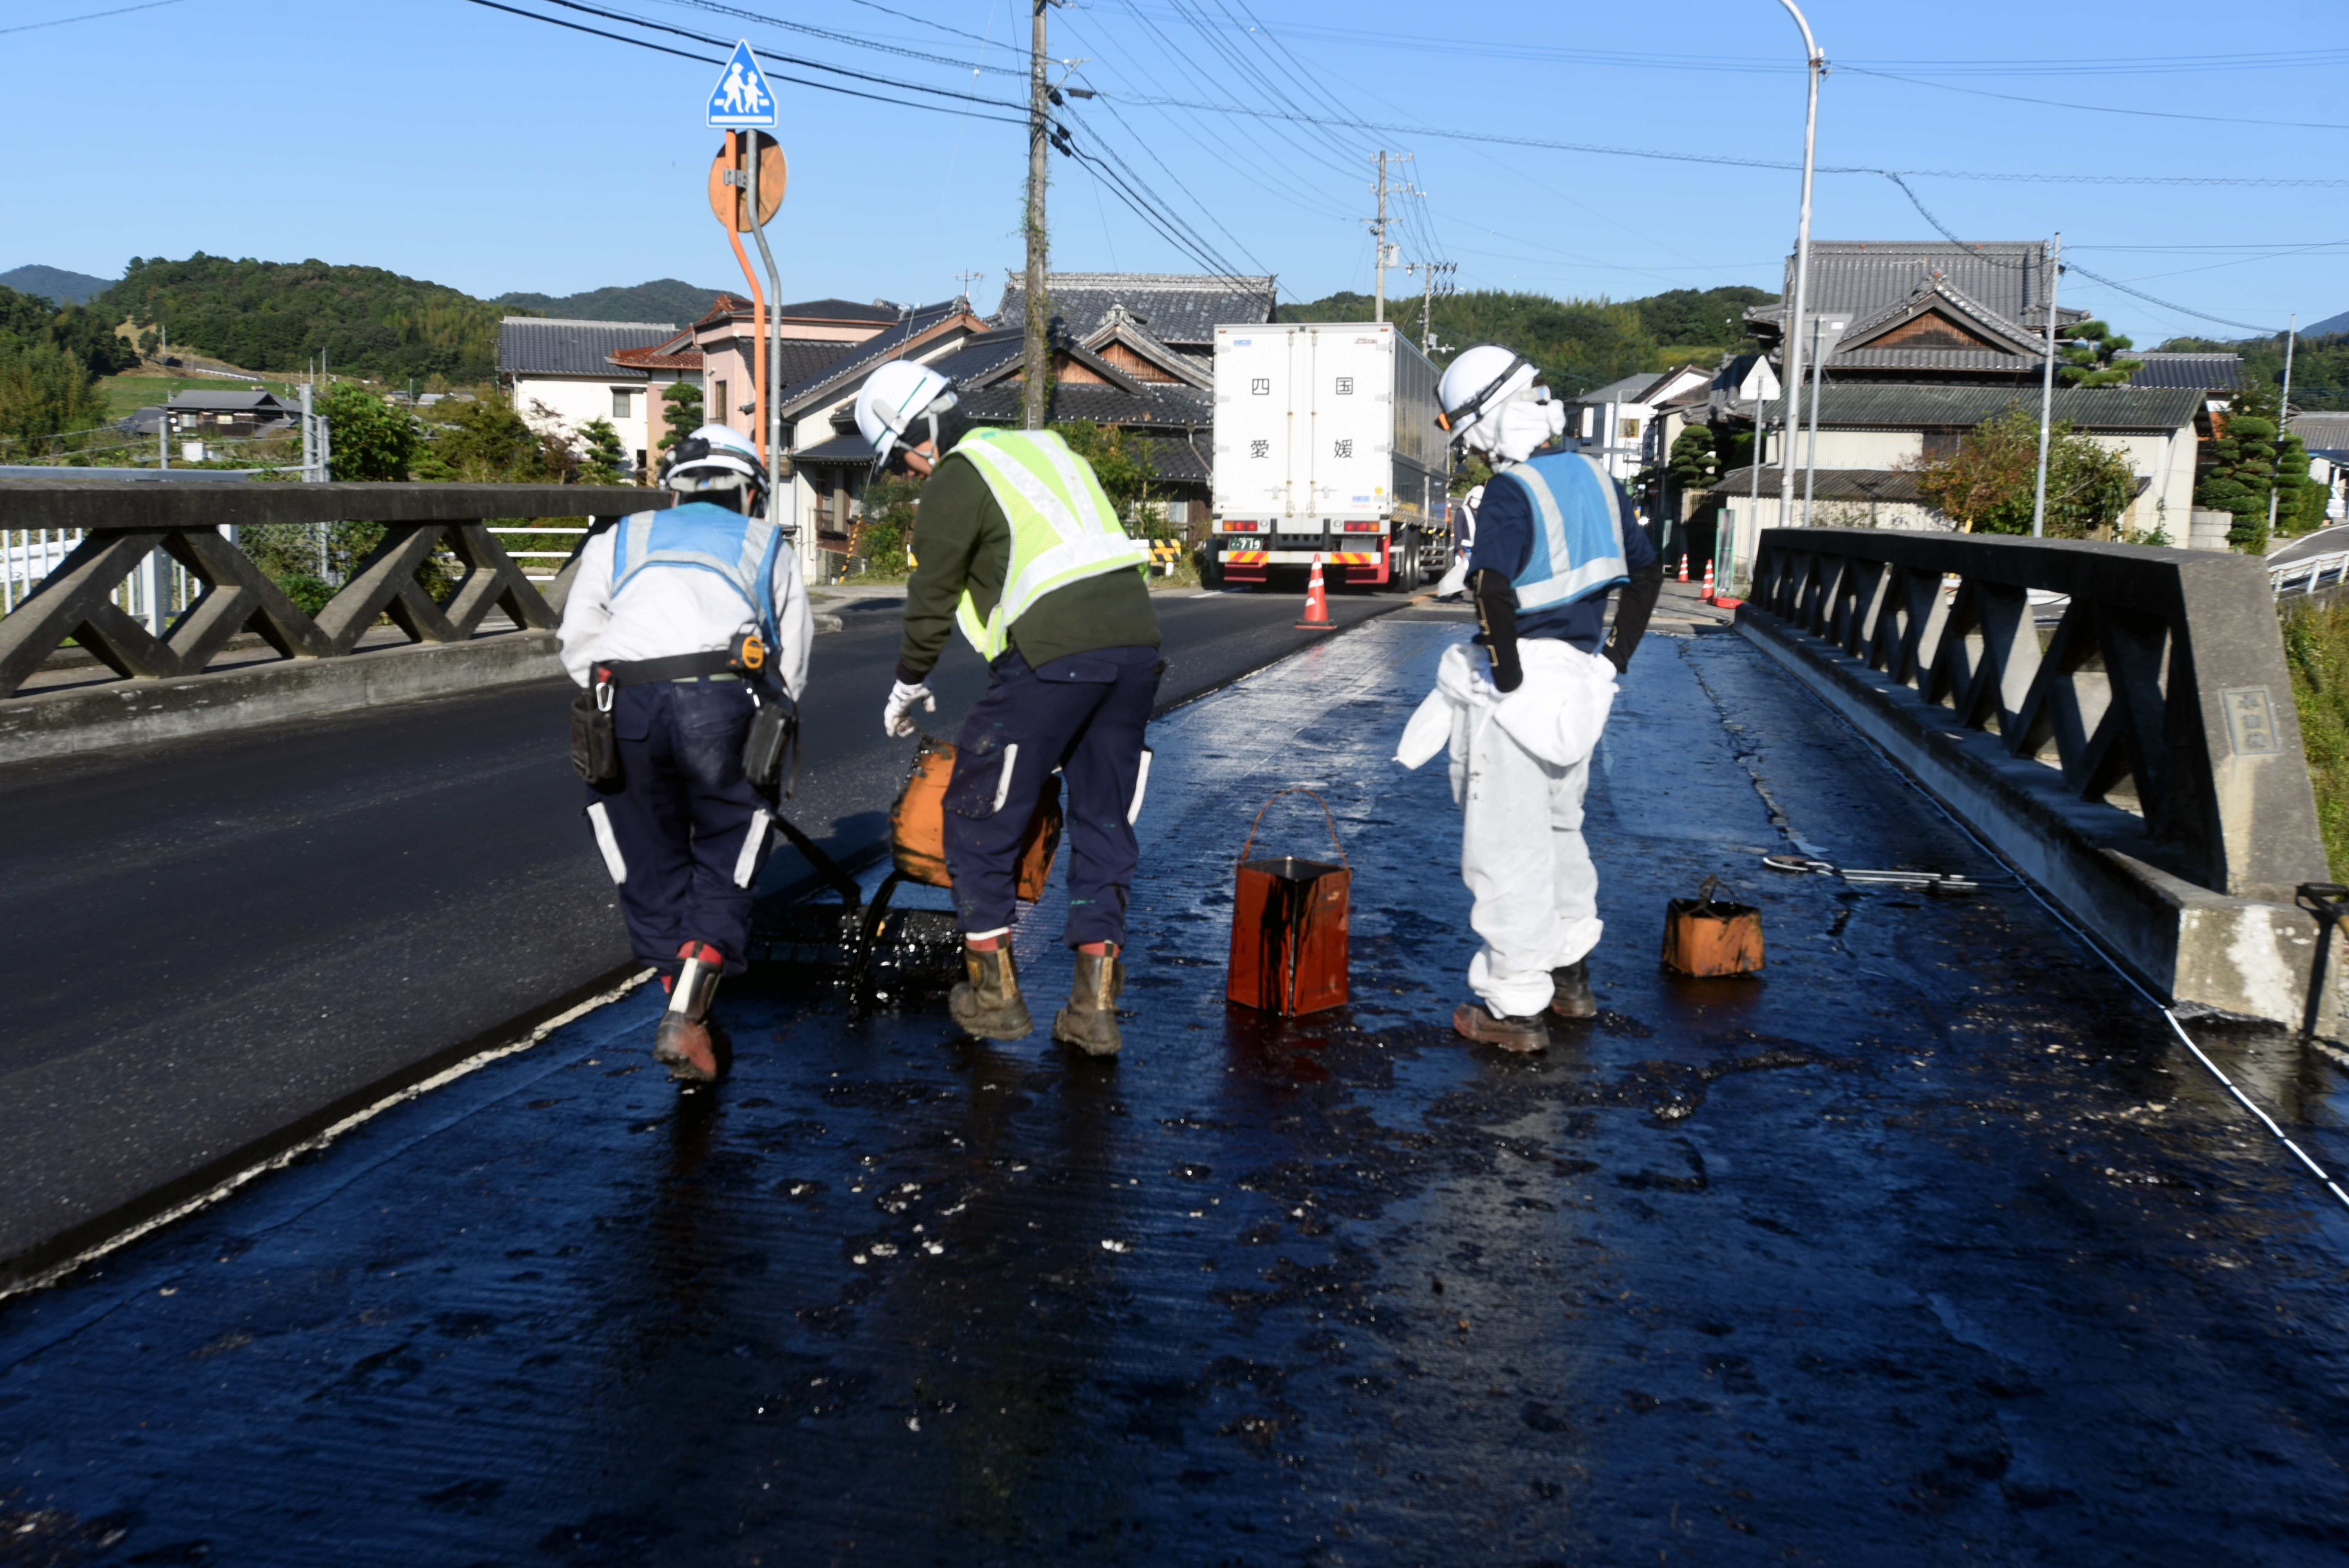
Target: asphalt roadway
column 225, row 944
column 1927, row 1245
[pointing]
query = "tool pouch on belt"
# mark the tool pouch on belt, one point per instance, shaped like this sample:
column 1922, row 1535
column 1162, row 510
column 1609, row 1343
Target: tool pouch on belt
column 774, row 728
column 595, row 744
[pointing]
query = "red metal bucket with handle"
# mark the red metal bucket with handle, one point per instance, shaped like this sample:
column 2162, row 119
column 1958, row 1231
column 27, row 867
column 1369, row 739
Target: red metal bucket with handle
column 1289, row 925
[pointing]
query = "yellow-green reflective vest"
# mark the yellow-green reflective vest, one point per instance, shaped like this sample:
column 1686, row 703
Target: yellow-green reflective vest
column 1063, row 529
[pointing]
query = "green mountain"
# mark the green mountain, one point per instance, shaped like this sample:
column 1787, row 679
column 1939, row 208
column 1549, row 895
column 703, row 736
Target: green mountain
column 1578, row 343
column 55, row 282
column 2320, row 363
column 274, row 316
column 663, row 299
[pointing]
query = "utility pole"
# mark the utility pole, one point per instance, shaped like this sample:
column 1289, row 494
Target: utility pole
column 1792, row 335
column 2047, row 389
column 2284, row 412
column 1427, row 344
column 1036, row 352
column 1378, row 226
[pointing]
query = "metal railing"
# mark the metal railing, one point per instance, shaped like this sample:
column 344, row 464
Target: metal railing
column 121, row 529
column 2309, row 575
column 2161, row 693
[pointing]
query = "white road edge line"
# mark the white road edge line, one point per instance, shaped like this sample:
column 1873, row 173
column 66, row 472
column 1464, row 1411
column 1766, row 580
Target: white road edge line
column 279, row 1162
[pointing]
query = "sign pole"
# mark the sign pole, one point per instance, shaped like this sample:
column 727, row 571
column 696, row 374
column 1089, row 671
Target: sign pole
column 771, row 409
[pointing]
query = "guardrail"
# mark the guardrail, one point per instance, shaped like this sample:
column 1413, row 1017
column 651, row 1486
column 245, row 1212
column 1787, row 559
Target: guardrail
column 2161, row 693
column 2139, row 759
column 2307, row 576
column 123, row 524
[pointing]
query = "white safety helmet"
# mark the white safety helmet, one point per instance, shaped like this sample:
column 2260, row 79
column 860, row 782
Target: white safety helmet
column 895, row 395
column 714, row 458
column 1490, row 403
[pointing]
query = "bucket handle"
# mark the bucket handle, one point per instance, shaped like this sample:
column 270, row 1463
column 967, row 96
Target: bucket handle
column 1704, row 899
column 1295, row 789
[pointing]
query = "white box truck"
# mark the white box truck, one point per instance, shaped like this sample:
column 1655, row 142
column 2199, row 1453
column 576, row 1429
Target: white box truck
column 1326, row 444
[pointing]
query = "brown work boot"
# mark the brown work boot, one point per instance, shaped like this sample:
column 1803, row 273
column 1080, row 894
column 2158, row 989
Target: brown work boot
column 989, row 1003
column 1571, row 997
column 687, row 1039
column 1089, row 1020
column 1478, row 1022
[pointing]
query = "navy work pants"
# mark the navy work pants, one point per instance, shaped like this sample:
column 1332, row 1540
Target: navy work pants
column 684, row 834
column 1084, row 715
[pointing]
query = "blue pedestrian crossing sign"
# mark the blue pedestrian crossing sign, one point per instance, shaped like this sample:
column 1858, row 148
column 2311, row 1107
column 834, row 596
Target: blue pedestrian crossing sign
column 741, row 98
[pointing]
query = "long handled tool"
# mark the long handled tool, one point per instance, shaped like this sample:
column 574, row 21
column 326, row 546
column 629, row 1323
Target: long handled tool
column 1936, row 882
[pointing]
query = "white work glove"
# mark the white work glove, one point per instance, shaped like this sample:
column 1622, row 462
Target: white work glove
column 1453, row 581
column 896, row 718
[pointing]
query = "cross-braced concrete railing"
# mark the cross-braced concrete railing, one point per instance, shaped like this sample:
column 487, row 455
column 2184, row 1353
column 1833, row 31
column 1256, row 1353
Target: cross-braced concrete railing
column 123, row 524
column 2128, row 737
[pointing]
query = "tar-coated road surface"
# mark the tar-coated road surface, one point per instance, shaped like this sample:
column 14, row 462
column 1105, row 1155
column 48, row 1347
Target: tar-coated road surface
column 216, row 938
column 1928, row 1246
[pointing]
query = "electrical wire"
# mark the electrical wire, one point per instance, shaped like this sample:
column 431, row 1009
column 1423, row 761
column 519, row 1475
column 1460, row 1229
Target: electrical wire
column 719, row 60
column 1727, row 160
column 852, row 39
column 2092, row 108
column 92, row 16
column 2070, row 266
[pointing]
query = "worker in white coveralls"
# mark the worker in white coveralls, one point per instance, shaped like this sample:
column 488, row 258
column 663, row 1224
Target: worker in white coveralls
column 682, row 623
column 1522, row 712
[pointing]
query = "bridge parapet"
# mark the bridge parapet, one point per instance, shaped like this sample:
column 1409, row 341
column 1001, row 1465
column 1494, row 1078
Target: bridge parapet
column 2140, row 757
column 123, row 524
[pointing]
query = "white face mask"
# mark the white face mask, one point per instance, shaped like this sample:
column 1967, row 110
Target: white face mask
column 1520, row 426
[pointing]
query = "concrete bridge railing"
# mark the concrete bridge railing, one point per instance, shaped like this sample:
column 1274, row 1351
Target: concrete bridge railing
column 124, row 524
column 2139, row 759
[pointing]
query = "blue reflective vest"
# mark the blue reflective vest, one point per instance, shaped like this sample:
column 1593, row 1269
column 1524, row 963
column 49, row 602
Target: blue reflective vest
column 1578, row 530
column 702, row 537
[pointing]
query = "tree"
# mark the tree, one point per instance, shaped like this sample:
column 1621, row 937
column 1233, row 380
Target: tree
column 2242, row 471
column 483, row 440
column 371, row 441
column 1694, row 460
column 44, row 391
column 680, row 412
column 1120, row 460
column 2089, row 360
column 886, row 529
column 1989, row 484
column 603, row 459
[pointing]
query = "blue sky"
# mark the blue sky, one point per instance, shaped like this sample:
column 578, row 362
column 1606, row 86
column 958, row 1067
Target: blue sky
column 455, row 142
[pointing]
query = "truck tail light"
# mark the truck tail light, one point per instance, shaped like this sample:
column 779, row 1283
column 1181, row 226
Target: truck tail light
column 1359, row 527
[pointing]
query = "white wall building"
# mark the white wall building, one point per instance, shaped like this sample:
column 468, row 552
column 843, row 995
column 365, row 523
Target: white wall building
column 561, row 374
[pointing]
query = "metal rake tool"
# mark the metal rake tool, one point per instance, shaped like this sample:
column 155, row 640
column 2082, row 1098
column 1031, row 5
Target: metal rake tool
column 1936, row 882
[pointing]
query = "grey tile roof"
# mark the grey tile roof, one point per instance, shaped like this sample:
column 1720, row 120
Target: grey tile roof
column 1627, row 390
column 1975, row 359
column 999, row 404
column 2209, row 372
column 2322, row 432
column 1895, row 406
column 534, row 346
column 851, row 448
column 1182, row 310
column 982, row 355
column 1833, row 484
column 1178, row 459
column 2005, row 277
column 845, row 363
column 228, row 403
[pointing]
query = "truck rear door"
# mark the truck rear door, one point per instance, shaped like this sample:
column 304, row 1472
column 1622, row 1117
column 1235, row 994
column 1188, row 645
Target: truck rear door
column 1352, row 372
column 1255, row 386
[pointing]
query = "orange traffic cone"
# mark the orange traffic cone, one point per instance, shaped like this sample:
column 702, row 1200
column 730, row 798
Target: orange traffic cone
column 1684, row 565
column 1317, row 602
column 1708, row 582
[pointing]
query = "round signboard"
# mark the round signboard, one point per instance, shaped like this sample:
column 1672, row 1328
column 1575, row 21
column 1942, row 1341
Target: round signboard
column 726, row 194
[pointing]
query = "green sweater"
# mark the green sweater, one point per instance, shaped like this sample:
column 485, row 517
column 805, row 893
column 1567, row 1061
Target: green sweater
column 961, row 539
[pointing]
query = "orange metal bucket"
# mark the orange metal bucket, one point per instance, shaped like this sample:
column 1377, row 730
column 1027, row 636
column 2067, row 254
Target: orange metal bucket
column 1702, row 937
column 1290, row 927
column 917, row 824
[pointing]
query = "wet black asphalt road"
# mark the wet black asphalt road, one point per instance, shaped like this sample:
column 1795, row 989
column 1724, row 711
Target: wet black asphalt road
column 219, row 938
column 1928, row 1246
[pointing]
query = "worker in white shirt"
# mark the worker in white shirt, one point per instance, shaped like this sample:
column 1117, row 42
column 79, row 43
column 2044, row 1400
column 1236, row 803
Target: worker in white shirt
column 681, row 624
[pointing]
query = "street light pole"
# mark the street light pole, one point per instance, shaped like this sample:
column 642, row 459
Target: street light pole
column 2283, row 414
column 2047, row 391
column 1036, row 352
column 1791, row 335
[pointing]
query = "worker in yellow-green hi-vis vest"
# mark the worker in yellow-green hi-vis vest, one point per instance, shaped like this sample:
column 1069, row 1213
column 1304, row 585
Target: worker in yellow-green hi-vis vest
column 1015, row 545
